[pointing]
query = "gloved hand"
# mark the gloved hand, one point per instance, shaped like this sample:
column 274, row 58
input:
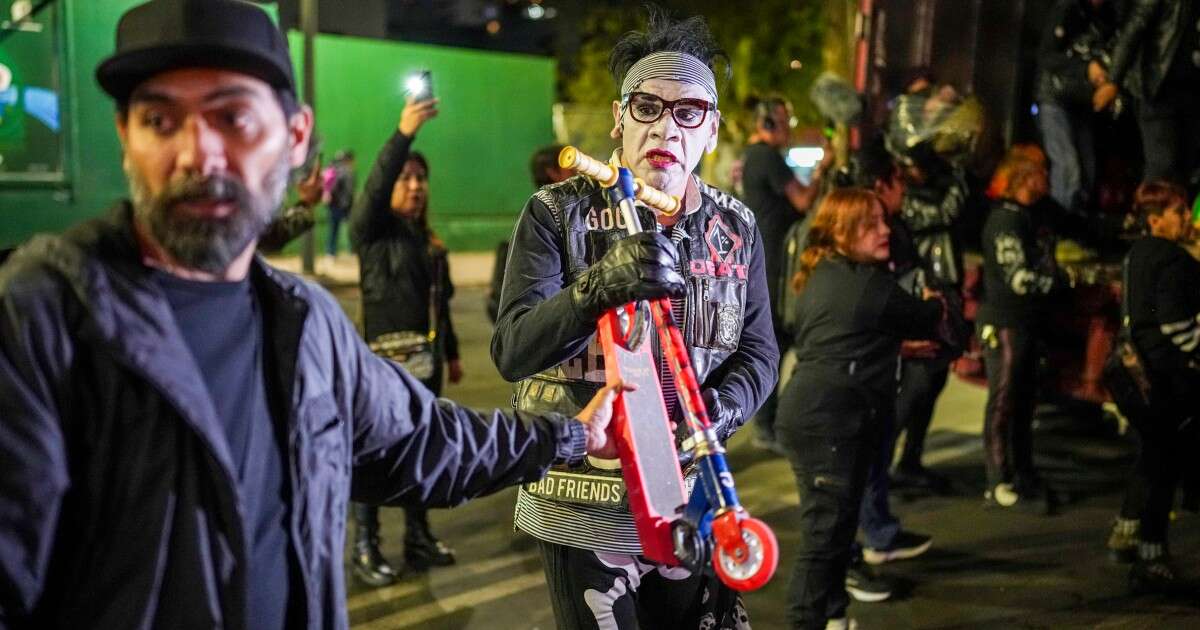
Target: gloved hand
column 724, row 419
column 639, row 267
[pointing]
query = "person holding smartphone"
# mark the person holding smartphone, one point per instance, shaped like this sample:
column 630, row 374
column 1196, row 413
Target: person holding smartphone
column 405, row 278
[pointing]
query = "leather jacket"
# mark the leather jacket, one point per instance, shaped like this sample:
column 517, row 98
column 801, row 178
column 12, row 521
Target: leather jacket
column 1146, row 46
column 555, row 355
column 1075, row 35
column 931, row 211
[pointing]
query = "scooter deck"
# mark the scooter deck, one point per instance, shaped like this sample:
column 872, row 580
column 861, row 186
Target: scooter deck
column 645, row 442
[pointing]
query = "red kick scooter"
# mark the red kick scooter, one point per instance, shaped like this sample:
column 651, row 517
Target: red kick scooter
column 674, row 529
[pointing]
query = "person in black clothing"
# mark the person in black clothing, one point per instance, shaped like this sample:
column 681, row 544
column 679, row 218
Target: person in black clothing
column 853, row 316
column 778, row 200
column 181, row 424
column 1164, row 319
column 1074, row 46
column 1156, row 57
column 405, row 280
column 884, row 539
column 544, row 170
column 935, row 197
column 1019, row 273
column 571, row 260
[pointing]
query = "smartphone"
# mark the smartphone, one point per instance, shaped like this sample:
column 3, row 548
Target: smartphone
column 419, row 86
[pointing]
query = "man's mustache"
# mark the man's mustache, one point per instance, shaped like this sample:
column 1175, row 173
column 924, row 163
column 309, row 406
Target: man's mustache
column 213, row 188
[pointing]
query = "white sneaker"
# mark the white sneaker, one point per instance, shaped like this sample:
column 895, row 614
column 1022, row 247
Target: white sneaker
column 842, row 623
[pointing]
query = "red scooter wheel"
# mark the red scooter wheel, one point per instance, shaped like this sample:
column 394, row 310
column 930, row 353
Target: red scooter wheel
column 752, row 568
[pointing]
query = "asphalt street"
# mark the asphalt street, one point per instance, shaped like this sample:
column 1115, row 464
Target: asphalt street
column 987, row 568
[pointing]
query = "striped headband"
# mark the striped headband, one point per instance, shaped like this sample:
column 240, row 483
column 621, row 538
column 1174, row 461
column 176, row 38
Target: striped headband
column 674, row 66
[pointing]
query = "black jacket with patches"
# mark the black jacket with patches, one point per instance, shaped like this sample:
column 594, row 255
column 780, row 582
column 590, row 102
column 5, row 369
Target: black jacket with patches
column 541, row 341
column 1019, row 270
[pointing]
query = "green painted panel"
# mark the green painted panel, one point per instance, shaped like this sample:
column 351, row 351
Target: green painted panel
column 93, row 168
column 494, row 111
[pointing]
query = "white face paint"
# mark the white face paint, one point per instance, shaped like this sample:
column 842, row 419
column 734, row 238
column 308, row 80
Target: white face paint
column 662, row 153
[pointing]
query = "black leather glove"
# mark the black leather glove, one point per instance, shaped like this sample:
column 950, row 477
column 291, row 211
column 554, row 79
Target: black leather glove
column 639, row 267
column 724, row 418
column 721, row 415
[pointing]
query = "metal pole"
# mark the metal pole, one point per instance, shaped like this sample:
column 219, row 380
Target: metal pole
column 308, row 24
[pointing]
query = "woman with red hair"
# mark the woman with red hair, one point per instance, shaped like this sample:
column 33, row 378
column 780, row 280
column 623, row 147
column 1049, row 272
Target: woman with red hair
column 851, row 318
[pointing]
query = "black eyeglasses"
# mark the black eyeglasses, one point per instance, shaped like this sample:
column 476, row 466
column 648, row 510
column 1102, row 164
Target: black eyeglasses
column 688, row 113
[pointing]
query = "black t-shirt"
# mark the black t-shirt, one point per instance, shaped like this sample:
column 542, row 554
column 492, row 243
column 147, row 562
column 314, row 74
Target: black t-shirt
column 851, row 319
column 765, row 176
column 222, row 325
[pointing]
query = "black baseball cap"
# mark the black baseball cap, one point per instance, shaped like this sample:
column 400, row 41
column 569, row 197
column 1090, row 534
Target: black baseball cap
column 163, row 35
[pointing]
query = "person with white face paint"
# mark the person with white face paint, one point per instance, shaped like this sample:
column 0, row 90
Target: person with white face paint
column 571, row 259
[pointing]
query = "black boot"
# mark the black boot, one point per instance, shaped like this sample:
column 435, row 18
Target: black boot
column 369, row 564
column 421, row 549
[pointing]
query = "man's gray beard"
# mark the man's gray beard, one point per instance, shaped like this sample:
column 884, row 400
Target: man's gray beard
column 204, row 244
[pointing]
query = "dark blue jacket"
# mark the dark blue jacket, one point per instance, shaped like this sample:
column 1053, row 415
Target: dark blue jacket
column 118, row 504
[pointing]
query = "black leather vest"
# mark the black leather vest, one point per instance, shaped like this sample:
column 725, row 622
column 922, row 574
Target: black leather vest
column 715, row 259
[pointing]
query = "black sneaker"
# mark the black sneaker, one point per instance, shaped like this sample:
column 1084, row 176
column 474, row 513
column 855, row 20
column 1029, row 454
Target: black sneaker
column 865, row 585
column 906, row 545
column 369, row 564
column 1156, row 576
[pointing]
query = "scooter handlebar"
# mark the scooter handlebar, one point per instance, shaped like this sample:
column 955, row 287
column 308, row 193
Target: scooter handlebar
column 606, row 175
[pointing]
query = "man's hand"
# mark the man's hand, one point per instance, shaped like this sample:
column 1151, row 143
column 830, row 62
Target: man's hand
column 309, row 190
column 456, row 371
column 1104, row 96
column 415, row 114
column 640, row 267
column 596, row 417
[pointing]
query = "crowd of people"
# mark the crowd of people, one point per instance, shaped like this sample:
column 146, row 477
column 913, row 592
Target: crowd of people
column 187, row 428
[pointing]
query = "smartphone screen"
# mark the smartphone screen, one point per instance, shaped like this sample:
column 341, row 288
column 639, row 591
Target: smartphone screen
column 420, row 86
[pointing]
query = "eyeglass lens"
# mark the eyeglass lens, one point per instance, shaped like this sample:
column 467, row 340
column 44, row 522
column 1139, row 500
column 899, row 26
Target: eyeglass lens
column 688, row 112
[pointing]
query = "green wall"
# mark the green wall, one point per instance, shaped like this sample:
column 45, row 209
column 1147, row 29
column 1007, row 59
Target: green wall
column 495, row 110
column 93, row 164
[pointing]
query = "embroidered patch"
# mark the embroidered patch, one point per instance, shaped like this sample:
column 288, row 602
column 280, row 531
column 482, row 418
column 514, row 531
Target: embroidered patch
column 727, row 324
column 722, row 241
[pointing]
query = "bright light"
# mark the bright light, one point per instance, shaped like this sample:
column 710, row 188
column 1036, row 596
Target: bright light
column 806, row 157
column 415, row 84
column 796, row 64
column 535, row 12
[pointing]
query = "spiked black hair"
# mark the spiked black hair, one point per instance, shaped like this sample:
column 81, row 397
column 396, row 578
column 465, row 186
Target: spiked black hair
column 690, row 36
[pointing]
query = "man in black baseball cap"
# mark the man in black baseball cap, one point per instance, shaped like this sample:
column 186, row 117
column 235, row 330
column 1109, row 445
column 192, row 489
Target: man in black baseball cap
column 179, row 421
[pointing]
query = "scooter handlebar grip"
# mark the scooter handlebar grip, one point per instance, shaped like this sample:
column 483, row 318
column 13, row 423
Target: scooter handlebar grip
column 576, row 160
column 656, row 198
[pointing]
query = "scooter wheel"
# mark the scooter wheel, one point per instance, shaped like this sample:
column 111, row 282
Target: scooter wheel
column 752, row 569
column 690, row 547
